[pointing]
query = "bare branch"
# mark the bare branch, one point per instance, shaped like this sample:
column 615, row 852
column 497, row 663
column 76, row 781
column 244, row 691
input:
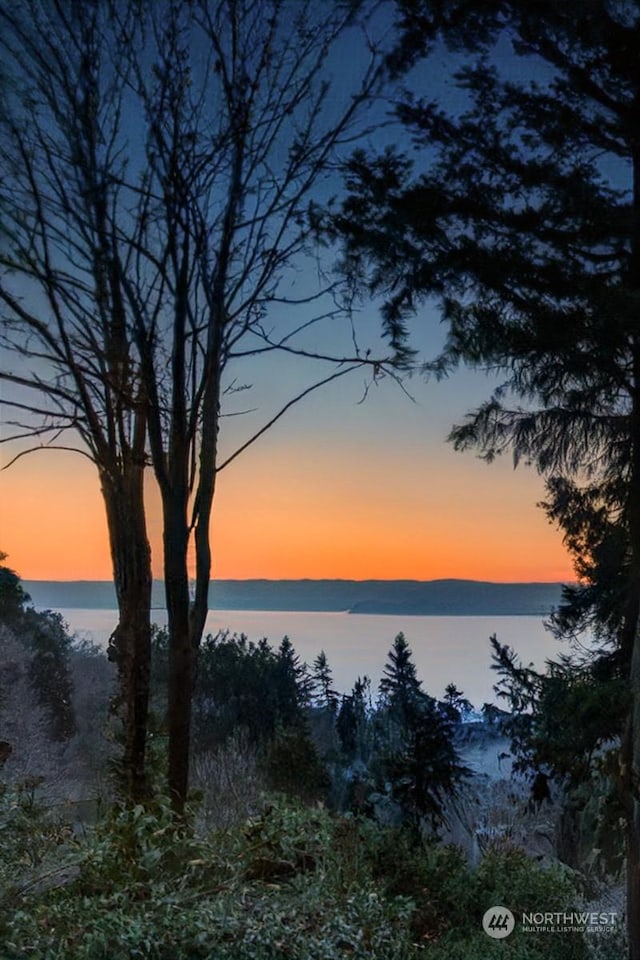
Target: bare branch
column 287, row 406
column 46, row 446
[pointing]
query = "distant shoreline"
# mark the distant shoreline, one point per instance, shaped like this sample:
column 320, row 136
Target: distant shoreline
column 448, row 597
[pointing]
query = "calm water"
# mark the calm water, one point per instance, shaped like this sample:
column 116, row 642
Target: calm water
column 446, row 649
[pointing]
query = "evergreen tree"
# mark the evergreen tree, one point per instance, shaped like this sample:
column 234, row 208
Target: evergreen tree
column 527, row 226
column 351, row 722
column 454, row 704
column 47, row 637
column 570, row 720
column 423, row 765
column 562, row 718
column 294, row 685
column 597, row 537
column 399, row 687
column 44, row 635
column 13, row 597
column 292, row 761
column 248, row 686
column 322, row 678
column 417, row 754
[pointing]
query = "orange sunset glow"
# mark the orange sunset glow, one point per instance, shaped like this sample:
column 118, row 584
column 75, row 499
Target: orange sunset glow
column 305, row 512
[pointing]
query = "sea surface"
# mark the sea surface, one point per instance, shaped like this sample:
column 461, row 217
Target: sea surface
column 445, row 649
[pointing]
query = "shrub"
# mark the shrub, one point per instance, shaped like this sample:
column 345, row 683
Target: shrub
column 146, row 891
column 292, row 884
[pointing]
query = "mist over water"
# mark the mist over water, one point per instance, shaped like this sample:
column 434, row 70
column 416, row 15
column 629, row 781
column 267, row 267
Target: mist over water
column 446, row 649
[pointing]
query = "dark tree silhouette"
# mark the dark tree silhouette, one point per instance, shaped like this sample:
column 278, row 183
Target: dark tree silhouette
column 352, row 719
column 72, row 381
column 399, row 686
column 235, row 156
column 322, row 677
column 416, row 740
column 13, row 596
column 163, row 161
column 527, row 226
column 44, row 635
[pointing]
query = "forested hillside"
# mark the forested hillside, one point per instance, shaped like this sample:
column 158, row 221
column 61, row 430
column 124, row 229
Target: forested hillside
column 420, row 598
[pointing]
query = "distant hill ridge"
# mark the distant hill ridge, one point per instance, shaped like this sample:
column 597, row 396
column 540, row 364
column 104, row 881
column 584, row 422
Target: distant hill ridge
column 416, row 597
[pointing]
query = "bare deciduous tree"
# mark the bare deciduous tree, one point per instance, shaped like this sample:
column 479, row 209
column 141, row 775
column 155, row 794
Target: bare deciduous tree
column 171, row 198
column 64, row 319
column 237, row 149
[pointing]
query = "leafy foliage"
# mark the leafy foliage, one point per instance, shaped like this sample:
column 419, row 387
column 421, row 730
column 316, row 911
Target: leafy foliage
column 563, row 718
column 13, row 597
column 47, row 645
column 32, row 842
column 292, row 883
column 566, row 723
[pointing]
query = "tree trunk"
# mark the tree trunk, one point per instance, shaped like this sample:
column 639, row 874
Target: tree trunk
column 130, row 644
column 633, row 828
column 187, row 618
column 181, row 650
column 632, row 757
column 632, row 751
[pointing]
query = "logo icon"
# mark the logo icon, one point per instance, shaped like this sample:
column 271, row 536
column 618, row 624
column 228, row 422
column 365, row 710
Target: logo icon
column 498, row 922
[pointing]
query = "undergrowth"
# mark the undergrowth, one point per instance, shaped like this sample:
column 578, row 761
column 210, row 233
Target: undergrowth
column 295, row 883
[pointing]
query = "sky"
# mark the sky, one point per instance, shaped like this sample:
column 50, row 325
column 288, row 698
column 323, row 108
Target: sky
column 342, row 487
column 338, row 489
